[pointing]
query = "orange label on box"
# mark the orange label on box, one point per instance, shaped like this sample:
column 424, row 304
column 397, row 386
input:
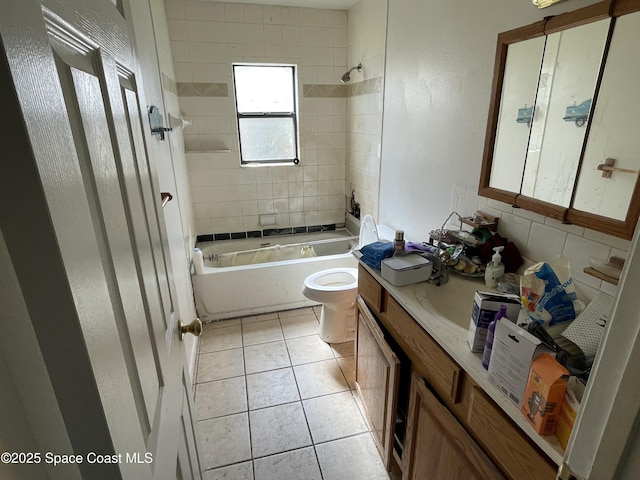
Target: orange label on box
column 544, row 393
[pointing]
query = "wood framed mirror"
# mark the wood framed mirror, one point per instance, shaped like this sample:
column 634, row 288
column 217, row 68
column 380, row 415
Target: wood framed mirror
column 561, row 103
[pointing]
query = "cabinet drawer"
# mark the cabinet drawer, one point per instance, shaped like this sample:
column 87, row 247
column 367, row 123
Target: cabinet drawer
column 511, row 449
column 431, row 361
column 369, row 289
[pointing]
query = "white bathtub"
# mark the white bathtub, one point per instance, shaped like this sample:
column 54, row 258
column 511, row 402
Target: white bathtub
column 226, row 292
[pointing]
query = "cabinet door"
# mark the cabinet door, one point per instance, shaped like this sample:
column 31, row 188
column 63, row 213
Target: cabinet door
column 437, row 446
column 377, row 374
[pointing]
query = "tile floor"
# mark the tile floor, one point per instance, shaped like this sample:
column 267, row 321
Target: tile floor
column 274, row 402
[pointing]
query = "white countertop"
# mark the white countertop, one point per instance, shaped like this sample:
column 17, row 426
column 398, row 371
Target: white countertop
column 453, row 339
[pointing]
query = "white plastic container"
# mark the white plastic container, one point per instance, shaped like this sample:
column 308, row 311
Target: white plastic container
column 495, row 269
column 198, row 261
column 406, row 269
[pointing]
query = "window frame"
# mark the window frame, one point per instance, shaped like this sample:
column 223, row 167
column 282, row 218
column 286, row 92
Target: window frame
column 294, row 116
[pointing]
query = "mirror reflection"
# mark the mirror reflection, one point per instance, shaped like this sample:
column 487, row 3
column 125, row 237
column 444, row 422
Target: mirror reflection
column 519, row 86
column 568, row 76
column 615, row 129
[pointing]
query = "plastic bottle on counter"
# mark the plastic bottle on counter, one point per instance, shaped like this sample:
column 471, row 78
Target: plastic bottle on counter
column 495, row 269
column 198, row 261
column 398, row 243
column 488, row 344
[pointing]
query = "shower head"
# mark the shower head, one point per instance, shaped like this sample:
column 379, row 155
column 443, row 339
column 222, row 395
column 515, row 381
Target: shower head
column 346, row 77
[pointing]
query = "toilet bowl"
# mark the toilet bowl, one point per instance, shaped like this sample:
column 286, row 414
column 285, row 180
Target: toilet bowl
column 336, row 290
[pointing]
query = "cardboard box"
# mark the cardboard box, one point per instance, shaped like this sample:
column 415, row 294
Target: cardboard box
column 513, row 351
column 544, row 394
column 485, row 307
column 569, row 411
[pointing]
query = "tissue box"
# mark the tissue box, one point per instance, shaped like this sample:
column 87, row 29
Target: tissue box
column 569, row 411
column 513, row 351
column 544, row 394
column 485, row 307
column 406, row 269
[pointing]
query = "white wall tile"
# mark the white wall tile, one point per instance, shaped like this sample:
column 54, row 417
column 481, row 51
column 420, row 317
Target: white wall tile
column 545, row 243
column 578, row 250
column 175, row 9
column 195, row 10
column 211, row 35
column 516, row 229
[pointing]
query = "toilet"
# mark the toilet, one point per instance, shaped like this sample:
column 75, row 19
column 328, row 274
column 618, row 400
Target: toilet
column 336, row 289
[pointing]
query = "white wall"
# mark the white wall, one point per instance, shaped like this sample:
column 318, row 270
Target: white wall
column 440, row 58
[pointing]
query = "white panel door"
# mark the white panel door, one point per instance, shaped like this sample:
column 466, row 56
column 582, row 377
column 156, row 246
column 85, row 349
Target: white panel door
column 78, row 186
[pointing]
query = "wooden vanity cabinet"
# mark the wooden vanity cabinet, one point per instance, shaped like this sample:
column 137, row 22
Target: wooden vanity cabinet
column 436, row 445
column 377, row 373
column 452, row 429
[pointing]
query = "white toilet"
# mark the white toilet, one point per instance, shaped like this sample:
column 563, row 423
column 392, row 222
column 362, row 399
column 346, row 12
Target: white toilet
column 336, row 289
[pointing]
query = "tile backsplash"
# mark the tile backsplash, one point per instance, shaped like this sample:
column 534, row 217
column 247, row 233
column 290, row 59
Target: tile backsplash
column 540, row 238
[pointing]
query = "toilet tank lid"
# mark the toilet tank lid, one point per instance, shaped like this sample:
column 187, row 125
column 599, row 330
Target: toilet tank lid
column 370, row 232
column 386, row 233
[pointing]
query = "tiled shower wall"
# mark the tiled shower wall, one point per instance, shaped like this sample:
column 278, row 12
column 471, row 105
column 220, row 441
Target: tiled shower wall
column 367, row 44
column 206, row 37
column 540, row 238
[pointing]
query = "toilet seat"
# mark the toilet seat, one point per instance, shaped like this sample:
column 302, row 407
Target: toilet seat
column 336, row 290
column 314, row 280
column 334, row 285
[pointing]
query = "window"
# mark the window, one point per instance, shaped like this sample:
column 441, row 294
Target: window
column 267, row 111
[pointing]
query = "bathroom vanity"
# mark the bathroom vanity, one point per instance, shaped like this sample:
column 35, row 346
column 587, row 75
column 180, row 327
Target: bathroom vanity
column 431, row 408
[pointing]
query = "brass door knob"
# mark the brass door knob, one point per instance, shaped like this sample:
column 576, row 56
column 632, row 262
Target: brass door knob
column 194, row 328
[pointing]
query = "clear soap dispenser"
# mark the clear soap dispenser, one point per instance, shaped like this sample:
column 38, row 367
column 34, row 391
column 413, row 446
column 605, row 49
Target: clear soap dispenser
column 495, row 269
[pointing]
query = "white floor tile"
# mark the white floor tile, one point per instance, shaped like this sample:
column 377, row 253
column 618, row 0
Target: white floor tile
column 221, row 397
column 261, row 332
column 216, row 339
column 354, row 458
column 299, row 325
column 266, row 356
column 232, row 322
column 333, row 416
column 295, row 312
column 295, row 465
column 275, row 387
column 342, row 349
column 225, row 440
column 239, row 471
column 348, row 367
column 308, row 349
column 259, row 318
column 278, row 429
column 219, row 365
column 320, row 378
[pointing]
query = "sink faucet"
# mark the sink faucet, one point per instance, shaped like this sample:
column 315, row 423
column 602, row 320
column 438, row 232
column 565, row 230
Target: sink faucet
column 439, row 259
column 439, row 274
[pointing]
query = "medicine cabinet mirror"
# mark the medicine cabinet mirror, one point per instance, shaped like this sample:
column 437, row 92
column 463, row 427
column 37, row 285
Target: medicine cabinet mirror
column 562, row 135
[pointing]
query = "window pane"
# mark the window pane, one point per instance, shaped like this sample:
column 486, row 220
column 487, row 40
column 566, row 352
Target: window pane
column 267, row 139
column 264, row 89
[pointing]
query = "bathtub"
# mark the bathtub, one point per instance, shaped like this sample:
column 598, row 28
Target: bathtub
column 240, row 290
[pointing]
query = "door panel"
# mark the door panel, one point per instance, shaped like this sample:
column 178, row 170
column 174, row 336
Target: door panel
column 377, row 377
column 437, row 446
column 100, row 197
